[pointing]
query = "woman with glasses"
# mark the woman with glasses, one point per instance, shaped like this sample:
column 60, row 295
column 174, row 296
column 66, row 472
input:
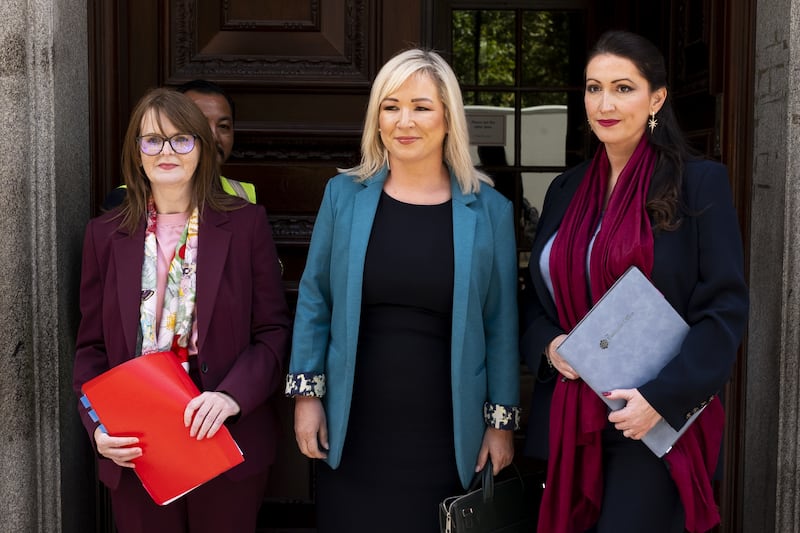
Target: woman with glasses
column 182, row 266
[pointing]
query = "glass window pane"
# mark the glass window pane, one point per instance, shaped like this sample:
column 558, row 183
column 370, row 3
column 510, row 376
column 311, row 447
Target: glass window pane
column 465, row 46
column 544, row 131
column 484, row 47
column 543, row 135
column 491, row 132
column 548, row 38
column 545, row 95
column 495, row 98
column 534, row 187
column 530, row 99
column 470, row 97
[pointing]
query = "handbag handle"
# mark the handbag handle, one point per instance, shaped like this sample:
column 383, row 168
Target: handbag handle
column 485, row 478
column 487, row 481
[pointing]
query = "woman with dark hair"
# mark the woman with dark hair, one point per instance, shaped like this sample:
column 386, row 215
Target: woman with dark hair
column 181, row 266
column 643, row 200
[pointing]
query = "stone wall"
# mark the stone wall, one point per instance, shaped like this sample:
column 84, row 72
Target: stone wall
column 788, row 453
column 770, row 483
column 46, row 482
column 17, row 402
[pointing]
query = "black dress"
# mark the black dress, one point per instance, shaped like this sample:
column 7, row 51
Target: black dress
column 398, row 459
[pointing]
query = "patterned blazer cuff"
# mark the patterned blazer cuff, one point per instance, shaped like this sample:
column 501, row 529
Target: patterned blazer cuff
column 305, row 384
column 501, row 416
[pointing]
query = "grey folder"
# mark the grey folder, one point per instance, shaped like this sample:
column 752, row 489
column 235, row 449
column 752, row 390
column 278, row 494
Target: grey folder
column 629, row 335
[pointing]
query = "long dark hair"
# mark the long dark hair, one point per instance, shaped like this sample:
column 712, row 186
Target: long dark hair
column 664, row 198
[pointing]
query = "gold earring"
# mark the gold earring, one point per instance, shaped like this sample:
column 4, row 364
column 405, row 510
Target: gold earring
column 652, row 123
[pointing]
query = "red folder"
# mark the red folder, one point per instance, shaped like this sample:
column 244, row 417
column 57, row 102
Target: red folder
column 145, row 398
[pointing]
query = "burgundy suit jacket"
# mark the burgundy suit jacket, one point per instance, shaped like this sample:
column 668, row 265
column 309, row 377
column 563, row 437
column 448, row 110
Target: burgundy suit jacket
column 243, row 322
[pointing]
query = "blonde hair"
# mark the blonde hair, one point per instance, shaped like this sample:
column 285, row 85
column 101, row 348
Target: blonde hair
column 456, row 144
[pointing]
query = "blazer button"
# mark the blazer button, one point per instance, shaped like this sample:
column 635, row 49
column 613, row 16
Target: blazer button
column 203, row 368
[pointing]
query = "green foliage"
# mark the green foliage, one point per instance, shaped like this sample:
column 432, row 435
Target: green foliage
column 485, row 55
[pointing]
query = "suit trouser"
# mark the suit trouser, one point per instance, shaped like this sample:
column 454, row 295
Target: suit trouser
column 218, row 506
column 639, row 494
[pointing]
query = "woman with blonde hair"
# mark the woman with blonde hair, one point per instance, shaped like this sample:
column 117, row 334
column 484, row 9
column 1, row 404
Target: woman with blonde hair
column 405, row 362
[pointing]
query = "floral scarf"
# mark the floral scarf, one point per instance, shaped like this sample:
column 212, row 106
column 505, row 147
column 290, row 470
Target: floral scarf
column 177, row 317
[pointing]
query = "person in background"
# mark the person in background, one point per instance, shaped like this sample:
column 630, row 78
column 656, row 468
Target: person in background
column 219, row 109
column 182, row 266
column 643, row 200
column 405, row 361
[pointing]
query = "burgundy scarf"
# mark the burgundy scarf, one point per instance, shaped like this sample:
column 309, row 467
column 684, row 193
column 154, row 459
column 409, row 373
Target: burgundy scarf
column 574, row 488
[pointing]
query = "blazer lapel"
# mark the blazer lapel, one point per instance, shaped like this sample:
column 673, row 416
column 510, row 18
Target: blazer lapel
column 464, row 222
column 212, row 252
column 128, row 253
column 365, row 204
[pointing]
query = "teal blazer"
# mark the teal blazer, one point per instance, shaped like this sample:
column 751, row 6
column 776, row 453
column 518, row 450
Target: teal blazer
column 484, row 344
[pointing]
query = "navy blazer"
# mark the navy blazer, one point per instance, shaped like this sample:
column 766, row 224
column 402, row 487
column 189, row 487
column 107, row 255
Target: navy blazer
column 484, row 342
column 699, row 270
column 243, row 322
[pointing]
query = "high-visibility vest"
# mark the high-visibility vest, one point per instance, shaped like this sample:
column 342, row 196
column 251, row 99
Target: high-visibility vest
column 242, row 189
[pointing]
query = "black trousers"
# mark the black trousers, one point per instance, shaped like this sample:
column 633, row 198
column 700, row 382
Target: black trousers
column 639, row 494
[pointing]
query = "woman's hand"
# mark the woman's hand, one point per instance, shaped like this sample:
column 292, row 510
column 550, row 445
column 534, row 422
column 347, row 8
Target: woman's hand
column 310, row 427
column 557, row 361
column 206, row 413
column 118, row 449
column 499, row 445
column 636, row 418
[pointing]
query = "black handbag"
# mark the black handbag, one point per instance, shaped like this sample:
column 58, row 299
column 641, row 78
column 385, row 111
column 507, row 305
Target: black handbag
column 489, row 506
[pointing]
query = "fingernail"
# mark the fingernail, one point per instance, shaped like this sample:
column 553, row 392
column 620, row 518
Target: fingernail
column 606, row 393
